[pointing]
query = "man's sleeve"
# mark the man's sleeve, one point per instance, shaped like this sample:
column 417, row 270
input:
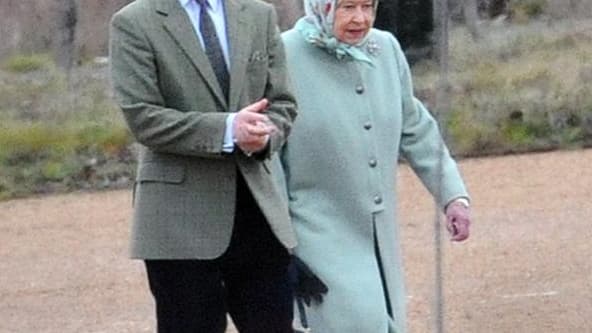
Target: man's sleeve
column 135, row 82
column 282, row 108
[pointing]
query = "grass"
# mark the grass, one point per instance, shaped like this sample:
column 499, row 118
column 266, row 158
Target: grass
column 27, row 63
column 524, row 10
column 519, row 89
column 56, row 136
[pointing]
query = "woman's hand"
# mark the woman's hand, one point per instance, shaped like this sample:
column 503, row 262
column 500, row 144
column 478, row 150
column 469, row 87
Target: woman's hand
column 458, row 221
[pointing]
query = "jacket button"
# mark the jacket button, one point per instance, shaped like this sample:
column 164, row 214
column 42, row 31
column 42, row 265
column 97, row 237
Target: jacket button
column 377, row 200
column 359, row 89
column 367, row 126
column 373, row 163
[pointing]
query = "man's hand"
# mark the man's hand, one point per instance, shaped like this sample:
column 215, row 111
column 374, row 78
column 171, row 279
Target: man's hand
column 307, row 286
column 252, row 128
column 458, row 221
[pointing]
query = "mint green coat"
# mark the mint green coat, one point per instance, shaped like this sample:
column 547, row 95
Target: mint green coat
column 340, row 168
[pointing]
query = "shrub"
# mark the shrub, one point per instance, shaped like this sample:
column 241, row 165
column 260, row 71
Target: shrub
column 67, row 159
column 524, row 10
column 517, row 90
column 56, row 136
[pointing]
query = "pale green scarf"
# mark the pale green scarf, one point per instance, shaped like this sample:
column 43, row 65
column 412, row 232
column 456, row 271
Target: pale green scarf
column 317, row 28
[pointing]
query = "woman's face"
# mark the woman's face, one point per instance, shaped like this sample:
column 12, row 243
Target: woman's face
column 353, row 20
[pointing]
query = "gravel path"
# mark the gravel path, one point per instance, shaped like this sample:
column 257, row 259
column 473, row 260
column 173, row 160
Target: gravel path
column 526, row 268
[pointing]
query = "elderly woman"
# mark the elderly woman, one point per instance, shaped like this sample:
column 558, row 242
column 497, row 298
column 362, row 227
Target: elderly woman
column 357, row 114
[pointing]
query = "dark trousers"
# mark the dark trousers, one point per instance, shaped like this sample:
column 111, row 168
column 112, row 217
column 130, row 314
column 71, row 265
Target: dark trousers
column 249, row 281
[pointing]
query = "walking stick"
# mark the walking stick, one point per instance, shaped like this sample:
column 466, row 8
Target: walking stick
column 443, row 108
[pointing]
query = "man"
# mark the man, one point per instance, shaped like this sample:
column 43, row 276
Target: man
column 203, row 87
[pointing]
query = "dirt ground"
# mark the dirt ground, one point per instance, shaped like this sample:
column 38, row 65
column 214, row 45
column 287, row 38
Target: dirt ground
column 526, row 268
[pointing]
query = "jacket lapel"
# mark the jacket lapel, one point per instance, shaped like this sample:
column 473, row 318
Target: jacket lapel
column 238, row 33
column 177, row 24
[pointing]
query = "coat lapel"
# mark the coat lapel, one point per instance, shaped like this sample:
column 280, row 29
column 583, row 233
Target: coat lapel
column 238, row 39
column 177, row 24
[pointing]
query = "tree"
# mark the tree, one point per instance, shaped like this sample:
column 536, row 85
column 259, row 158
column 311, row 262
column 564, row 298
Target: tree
column 411, row 21
column 496, row 7
column 289, row 11
column 471, row 17
column 66, row 20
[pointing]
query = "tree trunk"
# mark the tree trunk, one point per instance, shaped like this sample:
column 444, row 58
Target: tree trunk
column 289, row 11
column 471, row 17
column 497, row 7
column 11, row 28
column 66, row 20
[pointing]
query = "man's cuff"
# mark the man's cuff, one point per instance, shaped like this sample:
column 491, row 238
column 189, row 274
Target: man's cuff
column 228, row 145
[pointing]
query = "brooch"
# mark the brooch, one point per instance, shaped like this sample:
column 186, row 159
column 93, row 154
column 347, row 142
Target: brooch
column 372, row 47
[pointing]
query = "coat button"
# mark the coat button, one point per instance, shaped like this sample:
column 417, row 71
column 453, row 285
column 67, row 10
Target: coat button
column 373, row 163
column 367, row 126
column 377, row 200
column 360, row 89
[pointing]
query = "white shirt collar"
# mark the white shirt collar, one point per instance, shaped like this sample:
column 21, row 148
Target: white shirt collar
column 214, row 4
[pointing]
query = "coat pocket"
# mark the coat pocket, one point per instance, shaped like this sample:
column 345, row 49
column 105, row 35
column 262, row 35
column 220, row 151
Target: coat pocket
column 161, row 172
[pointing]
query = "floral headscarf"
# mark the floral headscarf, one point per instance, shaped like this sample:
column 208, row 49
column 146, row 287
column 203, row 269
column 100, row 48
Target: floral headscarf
column 317, row 28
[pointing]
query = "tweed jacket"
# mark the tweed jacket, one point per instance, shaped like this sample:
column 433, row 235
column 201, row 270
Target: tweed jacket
column 185, row 185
